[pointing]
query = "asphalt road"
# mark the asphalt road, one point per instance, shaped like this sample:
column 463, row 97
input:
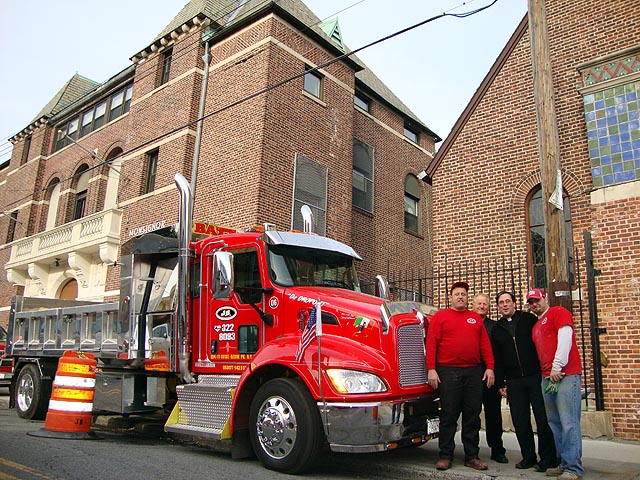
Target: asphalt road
column 139, row 449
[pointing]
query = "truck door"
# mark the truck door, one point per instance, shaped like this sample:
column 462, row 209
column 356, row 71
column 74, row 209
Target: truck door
column 236, row 327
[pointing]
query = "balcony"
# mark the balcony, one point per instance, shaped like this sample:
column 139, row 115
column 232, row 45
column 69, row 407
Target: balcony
column 96, row 234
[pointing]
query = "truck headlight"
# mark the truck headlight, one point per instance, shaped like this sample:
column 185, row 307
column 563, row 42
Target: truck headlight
column 353, row 381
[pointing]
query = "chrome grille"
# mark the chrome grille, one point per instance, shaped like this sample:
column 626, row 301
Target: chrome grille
column 411, row 355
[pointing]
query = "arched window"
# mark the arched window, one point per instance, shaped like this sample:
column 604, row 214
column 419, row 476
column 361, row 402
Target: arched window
column 107, row 191
column 537, row 237
column 53, row 195
column 412, row 204
column 82, row 186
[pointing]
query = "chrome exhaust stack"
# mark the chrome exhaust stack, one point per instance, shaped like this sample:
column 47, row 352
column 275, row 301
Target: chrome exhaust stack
column 184, row 274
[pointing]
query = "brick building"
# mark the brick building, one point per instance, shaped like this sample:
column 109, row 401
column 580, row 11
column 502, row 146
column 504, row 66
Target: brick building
column 289, row 119
column 487, row 178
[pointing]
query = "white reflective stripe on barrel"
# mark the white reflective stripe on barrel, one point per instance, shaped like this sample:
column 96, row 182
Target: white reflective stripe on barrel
column 83, row 382
column 63, row 406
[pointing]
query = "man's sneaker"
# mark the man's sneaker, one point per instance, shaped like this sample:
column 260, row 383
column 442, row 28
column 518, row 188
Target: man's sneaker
column 569, row 476
column 554, row 471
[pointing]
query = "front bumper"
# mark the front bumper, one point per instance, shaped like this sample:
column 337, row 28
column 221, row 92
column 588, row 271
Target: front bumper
column 378, row 426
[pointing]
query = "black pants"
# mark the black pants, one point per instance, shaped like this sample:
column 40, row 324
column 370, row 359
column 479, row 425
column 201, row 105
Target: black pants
column 523, row 393
column 460, row 392
column 492, row 403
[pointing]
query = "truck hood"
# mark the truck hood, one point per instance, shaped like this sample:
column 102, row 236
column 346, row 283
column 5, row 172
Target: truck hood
column 357, row 314
column 338, row 300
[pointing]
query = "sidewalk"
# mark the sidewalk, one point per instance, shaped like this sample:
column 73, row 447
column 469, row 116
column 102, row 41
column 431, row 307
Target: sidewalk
column 602, row 459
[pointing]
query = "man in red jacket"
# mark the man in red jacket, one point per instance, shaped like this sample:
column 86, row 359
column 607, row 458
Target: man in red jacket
column 457, row 345
column 562, row 381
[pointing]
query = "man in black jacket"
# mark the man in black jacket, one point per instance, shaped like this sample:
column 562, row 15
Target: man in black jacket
column 517, row 366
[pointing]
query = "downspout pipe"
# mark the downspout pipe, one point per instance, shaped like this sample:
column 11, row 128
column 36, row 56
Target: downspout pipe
column 184, row 275
column 206, row 58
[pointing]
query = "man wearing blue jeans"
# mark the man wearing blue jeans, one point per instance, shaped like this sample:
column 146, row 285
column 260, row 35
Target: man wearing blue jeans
column 562, row 381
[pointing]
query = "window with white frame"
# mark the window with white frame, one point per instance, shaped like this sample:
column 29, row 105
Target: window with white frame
column 310, row 188
column 94, row 117
column 313, row 83
column 362, row 176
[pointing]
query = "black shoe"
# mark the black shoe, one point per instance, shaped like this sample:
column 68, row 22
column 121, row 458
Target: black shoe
column 539, row 468
column 500, row 458
column 524, row 464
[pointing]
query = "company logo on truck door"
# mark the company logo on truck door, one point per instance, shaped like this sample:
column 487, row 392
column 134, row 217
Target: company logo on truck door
column 226, row 313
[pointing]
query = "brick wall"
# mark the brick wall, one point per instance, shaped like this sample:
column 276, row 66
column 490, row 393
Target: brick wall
column 481, row 185
column 246, row 162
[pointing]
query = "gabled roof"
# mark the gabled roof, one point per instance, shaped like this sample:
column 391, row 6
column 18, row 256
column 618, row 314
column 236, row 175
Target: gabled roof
column 230, row 15
column 478, row 96
column 77, row 87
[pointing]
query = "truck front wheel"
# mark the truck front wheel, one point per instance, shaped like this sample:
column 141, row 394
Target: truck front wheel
column 31, row 394
column 285, row 427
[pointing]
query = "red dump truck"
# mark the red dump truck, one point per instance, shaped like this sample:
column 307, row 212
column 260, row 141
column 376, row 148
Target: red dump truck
column 218, row 330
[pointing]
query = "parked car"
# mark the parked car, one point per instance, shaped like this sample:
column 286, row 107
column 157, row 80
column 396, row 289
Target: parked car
column 6, row 369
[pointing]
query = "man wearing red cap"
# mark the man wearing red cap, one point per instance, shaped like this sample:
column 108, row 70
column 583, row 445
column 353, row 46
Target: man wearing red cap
column 562, row 381
column 457, row 344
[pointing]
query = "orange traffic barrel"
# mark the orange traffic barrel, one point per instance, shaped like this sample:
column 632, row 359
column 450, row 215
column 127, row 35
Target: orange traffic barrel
column 71, row 404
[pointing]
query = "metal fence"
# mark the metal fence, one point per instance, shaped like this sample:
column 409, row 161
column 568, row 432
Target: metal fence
column 509, row 272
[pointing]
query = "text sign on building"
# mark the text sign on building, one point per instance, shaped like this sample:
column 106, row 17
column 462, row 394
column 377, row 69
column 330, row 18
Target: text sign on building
column 135, row 232
column 208, row 229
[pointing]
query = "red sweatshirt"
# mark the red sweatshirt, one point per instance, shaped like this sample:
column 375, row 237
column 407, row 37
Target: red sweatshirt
column 458, row 339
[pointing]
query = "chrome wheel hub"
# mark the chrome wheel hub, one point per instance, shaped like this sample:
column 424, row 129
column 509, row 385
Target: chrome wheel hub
column 276, row 427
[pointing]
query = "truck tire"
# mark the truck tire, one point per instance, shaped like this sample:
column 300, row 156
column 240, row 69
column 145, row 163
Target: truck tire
column 285, row 426
column 31, row 394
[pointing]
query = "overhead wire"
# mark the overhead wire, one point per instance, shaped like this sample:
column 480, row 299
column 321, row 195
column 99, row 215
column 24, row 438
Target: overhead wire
column 263, row 91
column 195, row 44
column 223, row 12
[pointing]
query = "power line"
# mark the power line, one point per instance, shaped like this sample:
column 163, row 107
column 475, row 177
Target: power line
column 195, row 44
column 222, row 13
column 268, row 89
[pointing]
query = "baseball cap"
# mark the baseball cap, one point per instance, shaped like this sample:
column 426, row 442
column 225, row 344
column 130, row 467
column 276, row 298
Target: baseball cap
column 535, row 294
column 464, row 285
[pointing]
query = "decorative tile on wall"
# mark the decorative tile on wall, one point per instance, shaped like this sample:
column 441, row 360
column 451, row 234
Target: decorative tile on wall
column 613, row 132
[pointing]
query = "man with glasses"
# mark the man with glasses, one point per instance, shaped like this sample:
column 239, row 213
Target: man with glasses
column 518, row 369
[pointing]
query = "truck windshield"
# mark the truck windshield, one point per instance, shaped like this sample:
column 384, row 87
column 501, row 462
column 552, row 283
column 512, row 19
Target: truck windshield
column 298, row 266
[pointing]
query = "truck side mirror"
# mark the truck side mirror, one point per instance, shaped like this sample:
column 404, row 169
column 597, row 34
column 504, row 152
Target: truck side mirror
column 382, row 287
column 222, row 281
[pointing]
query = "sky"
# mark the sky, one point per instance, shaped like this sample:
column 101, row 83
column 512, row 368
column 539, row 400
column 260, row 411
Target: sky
column 434, row 69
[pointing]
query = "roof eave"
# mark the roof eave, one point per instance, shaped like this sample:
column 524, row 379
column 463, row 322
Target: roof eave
column 410, row 120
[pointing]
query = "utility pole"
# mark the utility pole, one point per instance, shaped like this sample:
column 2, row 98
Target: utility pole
column 558, row 288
